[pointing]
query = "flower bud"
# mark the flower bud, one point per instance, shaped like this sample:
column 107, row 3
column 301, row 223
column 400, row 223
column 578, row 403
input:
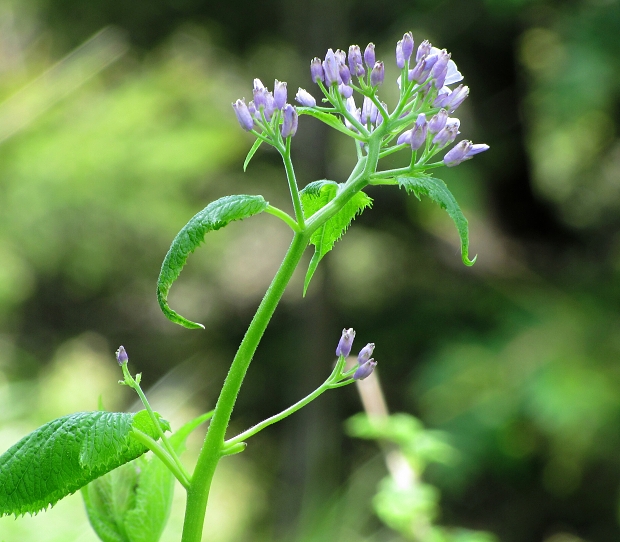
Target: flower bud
column 422, row 69
column 270, row 105
column 448, row 133
column 251, row 107
column 345, row 90
column 289, row 121
column 356, row 67
column 365, row 370
column 457, row 154
column 440, row 68
column 365, row 353
column 330, row 68
column 377, row 74
column 369, row 55
column 316, row 70
column 424, row 49
column 457, row 97
column 258, row 84
column 341, row 56
column 121, row 355
column 418, row 134
column 245, row 120
column 400, row 57
column 260, row 95
column 279, row 94
column 476, row 149
column 407, row 45
column 369, row 111
column 346, row 342
column 305, row 98
column 345, row 74
column 438, row 121
column 405, row 137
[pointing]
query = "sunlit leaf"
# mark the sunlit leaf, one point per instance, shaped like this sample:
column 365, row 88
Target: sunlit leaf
column 437, row 190
column 65, row 454
column 214, row 216
column 313, row 198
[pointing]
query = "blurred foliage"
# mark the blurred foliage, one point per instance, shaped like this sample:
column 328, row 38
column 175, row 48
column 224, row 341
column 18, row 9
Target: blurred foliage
column 106, row 152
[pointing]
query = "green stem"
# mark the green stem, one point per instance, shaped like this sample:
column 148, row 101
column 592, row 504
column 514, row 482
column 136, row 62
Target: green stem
column 283, row 216
column 292, row 183
column 152, row 445
column 211, row 452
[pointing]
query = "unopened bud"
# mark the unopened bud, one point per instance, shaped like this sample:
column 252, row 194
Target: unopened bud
column 407, row 45
column 121, row 355
column 316, row 70
column 305, row 98
column 377, row 74
column 289, row 121
column 457, row 154
column 243, row 116
column 330, row 68
column 400, row 57
column 346, row 342
column 356, row 67
column 369, row 55
column 365, row 353
column 279, row 94
column 365, row 370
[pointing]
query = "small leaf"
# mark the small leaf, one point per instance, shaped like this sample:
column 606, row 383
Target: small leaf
column 63, row 455
column 214, row 216
column 313, row 198
column 437, row 190
column 327, row 118
column 253, row 150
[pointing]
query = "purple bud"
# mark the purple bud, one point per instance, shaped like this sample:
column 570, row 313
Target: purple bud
column 405, row 137
column 369, row 111
column 457, row 97
column 341, row 56
column 345, row 74
column 457, row 154
column 365, row 353
column 258, row 84
column 345, row 90
column 346, row 342
column 423, row 50
column 442, row 98
column 422, row 69
column 252, row 108
column 377, row 74
column 476, row 149
column 369, row 55
column 305, row 98
column 260, row 93
column 279, row 94
column 289, row 121
column 400, row 57
column 121, row 355
column 418, row 134
column 330, row 67
column 438, row 122
column 351, row 106
column 448, row 133
column 316, row 70
column 365, row 370
column 440, row 68
column 407, row 45
column 356, row 67
column 270, row 105
column 245, row 120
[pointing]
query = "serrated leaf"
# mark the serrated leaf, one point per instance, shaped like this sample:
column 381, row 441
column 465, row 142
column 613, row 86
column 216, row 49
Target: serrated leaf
column 63, row 455
column 437, row 190
column 132, row 503
column 314, row 197
column 214, row 216
column 251, row 153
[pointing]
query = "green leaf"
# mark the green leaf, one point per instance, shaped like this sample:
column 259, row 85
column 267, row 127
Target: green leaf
column 313, row 198
column 329, row 119
column 437, row 190
column 214, row 216
column 253, row 150
column 132, row 503
column 65, row 454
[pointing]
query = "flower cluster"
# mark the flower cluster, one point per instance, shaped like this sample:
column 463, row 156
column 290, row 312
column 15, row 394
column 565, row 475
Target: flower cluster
column 267, row 109
column 366, row 365
column 426, row 97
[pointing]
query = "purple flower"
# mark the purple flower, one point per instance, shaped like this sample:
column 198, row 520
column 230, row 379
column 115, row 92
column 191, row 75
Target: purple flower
column 330, row 68
column 418, row 134
column 424, row 49
column 341, row 56
column 400, row 57
column 260, row 95
column 345, row 74
column 407, row 45
column 476, row 149
column 458, row 153
column 405, row 137
column 244, row 117
column 422, row 69
column 457, row 97
column 316, row 70
column 438, row 122
column 365, row 353
column 258, row 84
column 270, row 105
column 346, row 342
column 377, row 74
column 365, row 370
column 448, row 133
column 453, row 75
column 369, row 55
column 121, row 355
column 356, row 67
column 305, row 98
column 440, row 68
column 345, row 90
column 289, row 121
column 279, row 94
